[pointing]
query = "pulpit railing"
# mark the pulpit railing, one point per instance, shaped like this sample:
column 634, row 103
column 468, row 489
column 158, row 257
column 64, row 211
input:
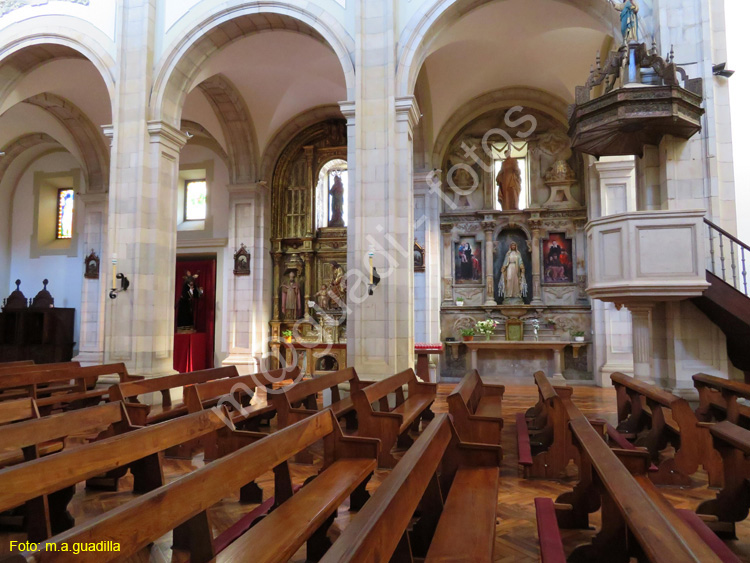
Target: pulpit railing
column 727, row 257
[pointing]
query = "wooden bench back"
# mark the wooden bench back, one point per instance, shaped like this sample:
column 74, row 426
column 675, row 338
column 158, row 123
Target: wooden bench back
column 17, row 409
column 16, row 364
column 37, row 367
column 197, row 395
column 85, row 375
column 468, row 391
column 735, row 436
column 547, row 391
column 653, row 530
column 49, row 474
column 150, row 516
column 651, row 392
column 56, row 426
column 381, row 389
column 133, row 389
column 299, row 391
column 718, row 399
column 719, row 384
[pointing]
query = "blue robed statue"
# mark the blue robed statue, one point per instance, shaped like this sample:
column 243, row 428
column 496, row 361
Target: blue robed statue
column 628, row 19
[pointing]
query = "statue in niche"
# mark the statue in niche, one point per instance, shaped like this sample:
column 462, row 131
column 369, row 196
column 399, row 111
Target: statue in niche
column 628, row 19
column 509, row 183
column 337, row 288
column 187, row 306
column 337, row 202
column 513, row 285
column 324, row 301
column 291, row 298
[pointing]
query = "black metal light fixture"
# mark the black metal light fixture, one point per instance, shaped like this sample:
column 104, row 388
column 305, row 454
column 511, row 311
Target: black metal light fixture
column 722, row 70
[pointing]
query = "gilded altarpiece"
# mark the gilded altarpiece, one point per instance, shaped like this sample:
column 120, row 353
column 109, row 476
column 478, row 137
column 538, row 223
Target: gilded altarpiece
column 522, row 265
column 309, row 250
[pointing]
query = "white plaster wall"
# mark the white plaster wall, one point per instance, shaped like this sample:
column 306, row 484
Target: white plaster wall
column 102, row 14
column 64, row 273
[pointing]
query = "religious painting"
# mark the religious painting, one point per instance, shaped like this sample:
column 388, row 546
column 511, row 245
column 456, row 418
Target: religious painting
column 92, row 266
column 514, row 330
column 242, row 262
column 468, row 260
column 557, row 259
column 513, row 277
column 418, row 257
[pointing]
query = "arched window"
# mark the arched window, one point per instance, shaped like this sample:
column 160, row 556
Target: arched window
column 65, row 201
column 332, row 206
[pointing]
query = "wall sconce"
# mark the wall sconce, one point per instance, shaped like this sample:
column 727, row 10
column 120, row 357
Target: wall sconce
column 124, row 281
column 374, row 276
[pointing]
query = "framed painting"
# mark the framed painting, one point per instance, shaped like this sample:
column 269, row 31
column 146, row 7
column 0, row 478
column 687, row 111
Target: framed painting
column 557, row 259
column 514, row 330
column 467, row 256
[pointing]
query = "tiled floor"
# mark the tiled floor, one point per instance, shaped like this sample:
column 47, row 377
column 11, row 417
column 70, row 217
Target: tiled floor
column 516, row 530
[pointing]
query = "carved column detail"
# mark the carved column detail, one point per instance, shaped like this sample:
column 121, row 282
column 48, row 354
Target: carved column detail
column 489, row 261
column 277, row 256
column 536, row 273
column 643, row 347
column 447, row 231
column 308, row 283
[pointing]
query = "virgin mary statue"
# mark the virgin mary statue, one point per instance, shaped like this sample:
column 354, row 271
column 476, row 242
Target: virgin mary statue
column 513, row 277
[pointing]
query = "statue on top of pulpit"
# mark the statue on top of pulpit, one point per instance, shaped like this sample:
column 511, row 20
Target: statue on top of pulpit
column 509, row 183
column 628, row 19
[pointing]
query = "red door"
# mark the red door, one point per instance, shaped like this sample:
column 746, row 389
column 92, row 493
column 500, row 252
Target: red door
column 195, row 351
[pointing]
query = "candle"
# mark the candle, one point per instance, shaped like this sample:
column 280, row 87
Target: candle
column 114, row 271
column 371, row 254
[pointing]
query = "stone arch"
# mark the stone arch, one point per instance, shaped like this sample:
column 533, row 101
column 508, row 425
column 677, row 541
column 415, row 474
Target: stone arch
column 505, row 97
column 32, row 44
column 232, row 112
column 200, row 136
column 289, row 130
column 15, row 148
column 428, row 23
column 175, row 74
column 94, row 152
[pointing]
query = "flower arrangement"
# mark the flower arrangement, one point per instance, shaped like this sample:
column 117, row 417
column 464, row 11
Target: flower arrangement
column 287, row 334
column 467, row 334
column 487, row 327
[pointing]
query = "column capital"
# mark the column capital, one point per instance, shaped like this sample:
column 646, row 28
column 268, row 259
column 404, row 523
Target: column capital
column 249, row 188
column 348, row 108
column 488, row 226
column 407, row 110
column 166, row 134
column 446, row 228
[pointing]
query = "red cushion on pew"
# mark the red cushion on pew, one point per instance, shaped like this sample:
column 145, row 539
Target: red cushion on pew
column 550, row 542
column 707, row 535
column 524, row 445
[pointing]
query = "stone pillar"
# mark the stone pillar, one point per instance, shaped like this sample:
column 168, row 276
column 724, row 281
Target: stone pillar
column 536, row 261
column 142, row 223
column 489, row 262
column 248, row 297
column 643, row 345
column 447, row 232
column 380, row 328
column 94, row 296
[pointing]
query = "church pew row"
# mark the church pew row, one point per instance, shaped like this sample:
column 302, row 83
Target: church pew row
column 235, row 396
column 718, row 400
column 68, row 387
column 139, row 450
column 732, row 503
column 542, row 433
column 16, row 364
column 637, row 521
column 451, row 486
column 12, row 371
column 476, row 408
column 653, row 418
column 391, row 425
column 300, row 517
column 144, row 413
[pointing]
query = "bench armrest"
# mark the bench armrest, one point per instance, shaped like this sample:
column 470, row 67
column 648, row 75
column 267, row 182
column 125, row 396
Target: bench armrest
column 303, row 412
column 348, row 447
column 493, row 390
column 138, row 413
column 230, row 440
column 383, row 414
column 484, row 418
column 127, row 377
column 480, row 455
column 424, row 387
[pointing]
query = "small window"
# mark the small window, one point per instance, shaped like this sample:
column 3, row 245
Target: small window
column 65, row 201
column 195, row 200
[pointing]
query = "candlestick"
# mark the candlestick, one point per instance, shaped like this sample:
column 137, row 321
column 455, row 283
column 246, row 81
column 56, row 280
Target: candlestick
column 114, row 271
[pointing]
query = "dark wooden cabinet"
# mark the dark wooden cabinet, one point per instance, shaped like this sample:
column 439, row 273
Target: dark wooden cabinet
column 42, row 335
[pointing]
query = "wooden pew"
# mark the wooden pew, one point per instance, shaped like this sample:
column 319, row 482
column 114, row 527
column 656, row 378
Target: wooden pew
column 476, row 408
column 234, row 394
column 183, row 505
column 145, row 414
column 655, row 418
column 139, row 450
column 11, row 369
column 456, row 506
column 542, row 432
column 63, row 387
column 636, row 521
column 392, row 425
column 16, row 364
column 732, row 503
column 718, row 400
column 17, row 410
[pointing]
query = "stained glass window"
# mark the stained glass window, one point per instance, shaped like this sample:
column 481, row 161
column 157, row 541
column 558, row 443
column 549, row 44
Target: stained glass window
column 195, row 200
column 65, row 201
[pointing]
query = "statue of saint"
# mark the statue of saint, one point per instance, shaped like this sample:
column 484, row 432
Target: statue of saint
column 509, row 183
column 337, row 202
column 291, row 298
column 513, row 277
column 628, row 19
column 324, row 301
column 188, row 303
column 337, row 288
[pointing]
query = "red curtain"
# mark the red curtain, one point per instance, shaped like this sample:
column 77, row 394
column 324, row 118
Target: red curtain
column 190, row 359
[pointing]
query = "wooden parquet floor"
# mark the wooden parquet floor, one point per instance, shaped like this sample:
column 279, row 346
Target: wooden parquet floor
column 516, row 537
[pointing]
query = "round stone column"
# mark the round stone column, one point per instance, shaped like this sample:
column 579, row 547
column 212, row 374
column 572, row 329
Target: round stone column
column 489, row 262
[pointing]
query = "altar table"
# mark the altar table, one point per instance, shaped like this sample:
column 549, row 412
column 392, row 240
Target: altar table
column 556, row 346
